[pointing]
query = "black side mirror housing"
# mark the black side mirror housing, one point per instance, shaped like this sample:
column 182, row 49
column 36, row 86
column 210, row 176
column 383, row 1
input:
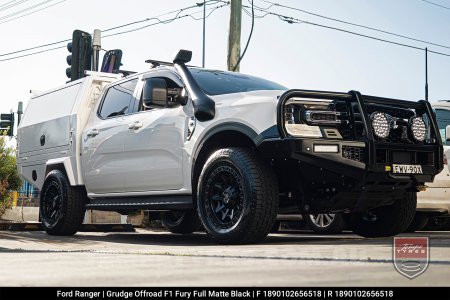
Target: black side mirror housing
column 154, row 93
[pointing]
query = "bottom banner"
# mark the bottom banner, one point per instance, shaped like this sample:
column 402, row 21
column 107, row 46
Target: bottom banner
column 48, row 293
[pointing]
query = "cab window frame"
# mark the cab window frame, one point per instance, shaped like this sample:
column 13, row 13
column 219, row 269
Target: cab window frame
column 132, row 103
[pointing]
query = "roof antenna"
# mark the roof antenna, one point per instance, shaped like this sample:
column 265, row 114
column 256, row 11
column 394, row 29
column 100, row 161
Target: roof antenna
column 426, row 74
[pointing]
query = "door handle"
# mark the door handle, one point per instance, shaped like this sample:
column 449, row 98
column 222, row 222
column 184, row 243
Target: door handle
column 135, row 125
column 93, row 133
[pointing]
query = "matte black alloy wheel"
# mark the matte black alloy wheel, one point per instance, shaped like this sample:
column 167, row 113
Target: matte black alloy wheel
column 237, row 196
column 322, row 220
column 61, row 206
column 181, row 221
column 52, row 205
column 224, row 197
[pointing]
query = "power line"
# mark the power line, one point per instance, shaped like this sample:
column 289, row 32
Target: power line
column 11, row 4
column 114, row 34
column 436, row 4
column 292, row 20
column 7, row 3
column 24, row 10
column 30, row 13
column 177, row 16
column 106, row 30
column 357, row 25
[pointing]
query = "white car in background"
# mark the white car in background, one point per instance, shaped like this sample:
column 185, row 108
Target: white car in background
column 435, row 201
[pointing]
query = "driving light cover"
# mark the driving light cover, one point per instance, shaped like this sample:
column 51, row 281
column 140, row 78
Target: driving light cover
column 326, row 148
column 380, row 124
column 418, row 128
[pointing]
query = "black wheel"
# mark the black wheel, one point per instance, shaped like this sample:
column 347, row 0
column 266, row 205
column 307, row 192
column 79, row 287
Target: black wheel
column 180, row 221
column 275, row 227
column 439, row 223
column 418, row 223
column 325, row 223
column 386, row 220
column 237, row 196
column 61, row 206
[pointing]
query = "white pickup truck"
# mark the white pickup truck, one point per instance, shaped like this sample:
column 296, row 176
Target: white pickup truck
column 435, row 201
column 225, row 149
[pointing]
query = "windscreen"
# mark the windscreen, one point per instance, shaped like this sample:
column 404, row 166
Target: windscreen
column 220, row 82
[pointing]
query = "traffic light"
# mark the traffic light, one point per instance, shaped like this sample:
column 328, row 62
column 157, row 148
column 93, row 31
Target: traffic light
column 80, row 59
column 7, row 123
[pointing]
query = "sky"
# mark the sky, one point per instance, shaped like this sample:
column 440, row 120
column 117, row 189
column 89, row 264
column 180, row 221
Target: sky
column 299, row 56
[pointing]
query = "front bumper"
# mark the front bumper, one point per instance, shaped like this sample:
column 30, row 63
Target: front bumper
column 358, row 175
column 352, row 159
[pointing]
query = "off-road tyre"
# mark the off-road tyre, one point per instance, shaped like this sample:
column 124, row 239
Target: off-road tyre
column 62, row 206
column 418, row 223
column 246, row 186
column 386, row 221
column 182, row 222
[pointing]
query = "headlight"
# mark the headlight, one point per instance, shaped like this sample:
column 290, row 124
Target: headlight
column 418, row 128
column 381, row 124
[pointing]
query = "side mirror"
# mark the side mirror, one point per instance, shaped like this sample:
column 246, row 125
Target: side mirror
column 154, row 93
column 447, row 133
column 112, row 61
column 182, row 97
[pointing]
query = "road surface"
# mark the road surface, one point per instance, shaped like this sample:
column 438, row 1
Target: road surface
column 156, row 258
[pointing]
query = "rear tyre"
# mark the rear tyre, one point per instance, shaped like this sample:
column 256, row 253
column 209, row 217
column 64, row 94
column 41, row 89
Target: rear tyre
column 386, row 220
column 325, row 223
column 62, row 205
column 275, row 227
column 180, row 221
column 418, row 223
column 237, row 196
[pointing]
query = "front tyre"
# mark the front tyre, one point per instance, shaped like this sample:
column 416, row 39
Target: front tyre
column 237, row 196
column 61, row 205
column 181, row 221
column 386, row 220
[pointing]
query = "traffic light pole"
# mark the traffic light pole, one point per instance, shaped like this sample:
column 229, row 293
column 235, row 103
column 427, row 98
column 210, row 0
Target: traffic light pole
column 96, row 46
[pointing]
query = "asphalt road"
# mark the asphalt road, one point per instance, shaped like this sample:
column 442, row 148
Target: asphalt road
column 151, row 258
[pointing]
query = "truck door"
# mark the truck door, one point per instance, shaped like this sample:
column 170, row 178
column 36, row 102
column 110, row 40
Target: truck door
column 103, row 140
column 154, row 146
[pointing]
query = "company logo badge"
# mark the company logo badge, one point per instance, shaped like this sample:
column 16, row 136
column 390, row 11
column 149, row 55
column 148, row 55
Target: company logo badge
column 411, row 255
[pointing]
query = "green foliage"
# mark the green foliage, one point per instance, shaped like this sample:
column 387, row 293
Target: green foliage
column 9, row 177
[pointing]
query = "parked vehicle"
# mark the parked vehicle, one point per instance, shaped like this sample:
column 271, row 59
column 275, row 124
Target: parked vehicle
column 435, row 201
column 234, row 150
column 326, row 223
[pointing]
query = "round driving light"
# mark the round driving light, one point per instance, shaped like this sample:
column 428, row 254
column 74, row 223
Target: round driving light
column 418, row 128
column 380, row 124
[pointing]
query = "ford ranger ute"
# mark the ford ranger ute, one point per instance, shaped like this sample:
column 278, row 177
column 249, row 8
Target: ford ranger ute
column 224, row 150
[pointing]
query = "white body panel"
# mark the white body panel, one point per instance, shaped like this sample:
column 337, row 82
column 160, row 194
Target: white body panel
column 50, row 130
column 437, row 195
column 156, row 159
column 109, row 156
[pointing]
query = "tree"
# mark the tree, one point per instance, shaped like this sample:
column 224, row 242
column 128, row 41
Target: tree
column 9, row 177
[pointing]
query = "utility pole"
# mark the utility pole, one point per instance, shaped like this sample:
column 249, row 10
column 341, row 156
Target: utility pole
column 426, row 74
column 204, row 32
column 234, row 35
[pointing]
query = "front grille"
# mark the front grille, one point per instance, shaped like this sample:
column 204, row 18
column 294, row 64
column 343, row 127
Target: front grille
column 353, row 153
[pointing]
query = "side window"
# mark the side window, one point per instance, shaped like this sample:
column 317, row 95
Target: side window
column 118, row 100
column 443, row 119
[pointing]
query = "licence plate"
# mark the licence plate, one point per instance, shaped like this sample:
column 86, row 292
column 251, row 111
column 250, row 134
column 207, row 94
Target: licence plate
column 407, row 169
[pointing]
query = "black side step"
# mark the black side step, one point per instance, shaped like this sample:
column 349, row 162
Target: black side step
column 165, row 202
